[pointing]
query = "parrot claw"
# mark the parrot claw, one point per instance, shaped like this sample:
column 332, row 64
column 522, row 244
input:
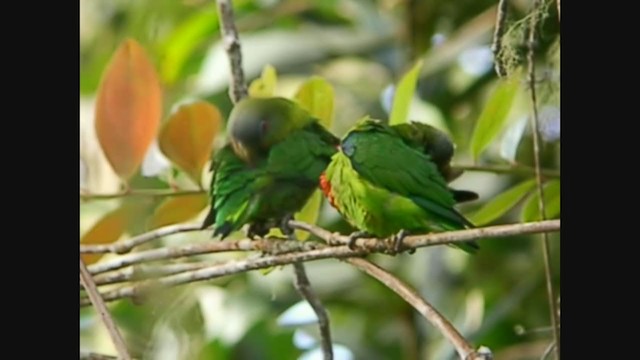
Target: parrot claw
column 284, row 225
column 256, row 230
column 355, row 236
column 397, row 241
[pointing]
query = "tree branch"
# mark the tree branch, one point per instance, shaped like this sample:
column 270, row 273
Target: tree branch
column 140, row 192
column 496, row 46
column 268, row 245
column 86, row 355
column 304, row 288
column 127, row 245
column 231, row 41
column 464, row 349
column 101, row 309
column 509, row 169
column 536, row 157
column 303, row 251
column 145, row 272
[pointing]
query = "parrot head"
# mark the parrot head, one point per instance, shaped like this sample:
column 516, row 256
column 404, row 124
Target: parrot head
column 256, row 124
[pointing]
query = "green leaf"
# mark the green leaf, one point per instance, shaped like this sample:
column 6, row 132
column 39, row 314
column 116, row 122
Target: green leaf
column 265, row 85
column 184, row 40
column 530, row 210
column 501, row 203
column 403, row 95
column 495, row 114
column 316, row 96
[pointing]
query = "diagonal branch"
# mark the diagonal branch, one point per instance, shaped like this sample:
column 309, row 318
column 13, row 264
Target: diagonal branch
column 464, row 349
column 101, row 309
column 304, row 288
column 533, row 27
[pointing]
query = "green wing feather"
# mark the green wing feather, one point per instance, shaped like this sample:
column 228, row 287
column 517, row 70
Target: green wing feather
column 387, row 161
column 270, row 189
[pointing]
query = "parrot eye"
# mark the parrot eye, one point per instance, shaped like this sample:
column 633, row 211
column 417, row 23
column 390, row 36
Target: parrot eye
column 264, row 126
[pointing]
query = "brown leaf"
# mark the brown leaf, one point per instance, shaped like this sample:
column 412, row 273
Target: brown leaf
column 128, row 108
column 187, row 138
column 106, row 231
column 178, row 209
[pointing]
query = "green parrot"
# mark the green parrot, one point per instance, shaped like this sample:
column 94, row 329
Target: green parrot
column 269, row 168
column 392, row 180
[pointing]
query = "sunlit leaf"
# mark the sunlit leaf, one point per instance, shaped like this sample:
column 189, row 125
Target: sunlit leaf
column 107, row 230
column 316, row 95
column 265, row 85
column 187, row 138
column 309, row 214
column 128, row 108
column 501, row 203
column 177, row 209
column 404, row 94
column 182, row 42
column 530, row 210
column 494, row 115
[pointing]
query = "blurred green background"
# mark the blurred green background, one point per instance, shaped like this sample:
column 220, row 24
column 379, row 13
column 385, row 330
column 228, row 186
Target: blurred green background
column 496, row 298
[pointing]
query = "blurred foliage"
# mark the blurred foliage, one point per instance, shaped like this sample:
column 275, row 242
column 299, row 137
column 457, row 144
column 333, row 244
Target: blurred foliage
column 348, row 55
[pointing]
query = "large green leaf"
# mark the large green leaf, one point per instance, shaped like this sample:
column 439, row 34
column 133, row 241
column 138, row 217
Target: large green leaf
column 404, row 94
column 501, row 203
column 265, row 85
column 316, row 95
column 530, row 210
column 495, row 114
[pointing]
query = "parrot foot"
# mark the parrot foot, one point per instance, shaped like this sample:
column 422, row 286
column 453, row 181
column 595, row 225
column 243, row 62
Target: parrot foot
column 397, row 242
column 355, row 236
column 256, row 230
column 284, row 226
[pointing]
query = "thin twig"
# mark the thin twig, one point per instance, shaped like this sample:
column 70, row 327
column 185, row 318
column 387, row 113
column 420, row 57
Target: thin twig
column 231, row 41
column 536, row 157
column 86, row 355
column 129, row 244
column 548, row 350
column 141, row 192
column 509, row 169
column 558, row 4
column 464, row 349
column 101, row 308
column 145, row 272
column 496, row 46
column 323, row 251
column 304, row 288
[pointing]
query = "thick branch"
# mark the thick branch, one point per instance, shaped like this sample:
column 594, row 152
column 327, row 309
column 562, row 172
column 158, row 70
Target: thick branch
column 231, row 41
column 264, row 245
column 129, row 244
column 321, row 251
column 536, row 156
column 464, row 349
column 304, row 288
column 101, row 309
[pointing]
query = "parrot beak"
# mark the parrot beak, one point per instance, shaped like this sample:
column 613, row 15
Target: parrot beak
column 241, row 151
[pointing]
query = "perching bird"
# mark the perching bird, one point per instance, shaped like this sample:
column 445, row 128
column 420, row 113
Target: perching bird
column 392, row 180
column 269, row 168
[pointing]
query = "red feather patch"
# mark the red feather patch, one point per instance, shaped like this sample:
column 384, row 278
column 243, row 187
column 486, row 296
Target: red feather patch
column 325, row 186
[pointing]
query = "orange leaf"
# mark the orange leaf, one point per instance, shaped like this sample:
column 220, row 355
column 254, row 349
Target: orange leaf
column 187, row 138
column 178, row 209
column 106, row 231
column 128, row 108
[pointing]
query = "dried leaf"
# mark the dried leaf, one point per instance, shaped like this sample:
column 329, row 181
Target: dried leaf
column 187, row 138
column 128, row 108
